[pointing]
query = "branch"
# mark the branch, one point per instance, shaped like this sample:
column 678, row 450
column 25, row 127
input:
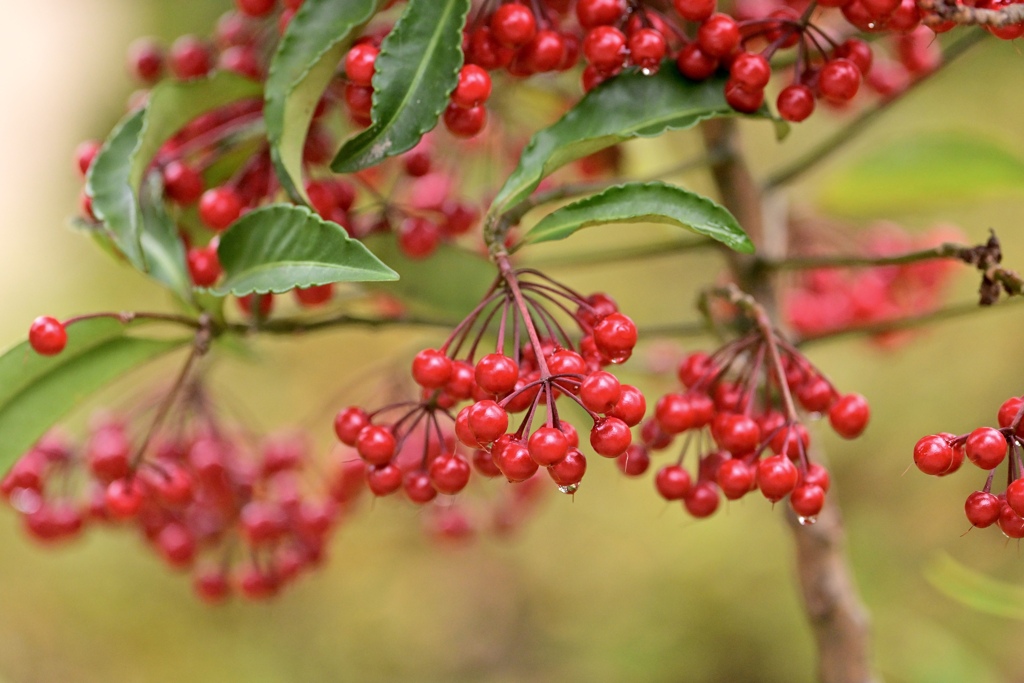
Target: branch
column 943, row 11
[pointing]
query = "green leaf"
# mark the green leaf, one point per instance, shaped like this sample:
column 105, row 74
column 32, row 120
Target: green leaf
column 164, row 249
column 282, row 246
column 37, row 391
column 924, row 171
column 628, row 106
column 449, row 283
column 115, row 176
column 307, row 57
column 416, row 72
column 653, row 202
column 974, row 589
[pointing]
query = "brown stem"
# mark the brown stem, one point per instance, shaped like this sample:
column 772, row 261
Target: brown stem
column 838, row 618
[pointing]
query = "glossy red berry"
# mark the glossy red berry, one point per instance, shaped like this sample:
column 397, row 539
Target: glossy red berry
column 631, row 406
column 719, row 35
column 750, row 70
column 1008, row 413
column 360, row 63
column 610, row 437
column 591, row 13
column 449, row 473
column 933, row 455
column 569, row 470
column 317, row 295
column 795, row 102
column 776, row 477
column 735, row 478
column 203, row 265
column 418, row 237
column 702, row 500
column 384, row 480
column 431, row 369
column 515, row 462
column 807, row 500
column 600, row 391
column 496, row 373
column 545, row 52
column 743, row 99
column 849, row 415
column 673, row 482
column 635, row 461
column 47, row 336
column 219, row 207
column 376, row 445
column 982, row 509
column 465, row 123
column 548, row 446
column 513, row 25
column 695, row 10
column 487, row 420
column 696, row 64
column 348, row 423
column 418, row 488
column 124, row 498
column 615, row 336
column 1010, row 523
column 182, row 183
column 190, row 58
column 839, row 80
column 605, row 48
column 986, row 447
column 647, row 47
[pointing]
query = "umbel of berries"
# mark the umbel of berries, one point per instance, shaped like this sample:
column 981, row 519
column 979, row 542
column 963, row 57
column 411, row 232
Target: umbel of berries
column 751, row 397
column 987, row 448
column 551, row 345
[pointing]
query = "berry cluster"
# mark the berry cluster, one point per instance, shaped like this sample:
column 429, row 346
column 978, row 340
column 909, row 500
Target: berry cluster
column 745, row 396
column 535, row 361
column 825, row 300
column 205, row 498
column 987, row 447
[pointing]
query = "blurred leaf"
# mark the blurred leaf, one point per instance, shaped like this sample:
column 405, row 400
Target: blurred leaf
column 449, row 283
column 164, row 249
column 974, row 589
column 306, row 60
column 653, row 202
column 922, row 171
column 279, row 247
column 116, row 174
column 628, row 106
column 36, row 391
column 416, row 71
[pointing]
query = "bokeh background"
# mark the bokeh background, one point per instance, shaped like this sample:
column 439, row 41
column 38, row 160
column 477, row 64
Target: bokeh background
column 612, row 585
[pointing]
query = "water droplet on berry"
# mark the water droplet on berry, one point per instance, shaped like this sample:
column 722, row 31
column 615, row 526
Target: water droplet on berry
column 807, row 521
column 647, row 71
column 569, row 489
column 26, row 501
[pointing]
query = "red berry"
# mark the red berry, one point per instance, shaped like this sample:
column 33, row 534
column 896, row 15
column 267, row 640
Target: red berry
column 605, row 48
column 600, row 391
column 219, row 207
column 795, row 103
column 384, row 480
column 203, row 265
column 1008, row 412
column 348, row 423
column 849, row 415
column 449, row 473
column 982, row 509
column 696, row 64
column 418, row 237
column 591, row 13
column 515, row 462
column 212, row 586
column 255, row 8
column 546, row 52
column 647, row 47
column 487, row 420
column 182, row 183
column 807, row 500
column 933, row 455
column 736, row 433
column 858, row 52
column 123, row 498
column 986, row 447
column 359, row 64
column 146, row 60
column 743, row 99
column 548, row 446
column 317, row 295
column 418, row 487
column 615, row 336
column 431, row 369
column 85, row 153
column 376, row 445
column 673, row 482
column 190, row 58
column 750, row 70
column 634, row 461
column 719, row 35
column 513, row 25
column 569, row 470
column 702, row 500
column 1010, row 523
column 465, row 123
column 735, row 478
column 47, row 336
column 496, row 373
column 610, row 437
column 631, row 406
column 839, row 80
column 694, row 10
column 776, row 477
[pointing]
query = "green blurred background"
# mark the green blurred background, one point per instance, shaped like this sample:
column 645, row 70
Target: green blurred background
column 612, row 585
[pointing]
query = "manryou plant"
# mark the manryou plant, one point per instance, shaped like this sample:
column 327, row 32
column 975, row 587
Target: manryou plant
column 350, row 155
